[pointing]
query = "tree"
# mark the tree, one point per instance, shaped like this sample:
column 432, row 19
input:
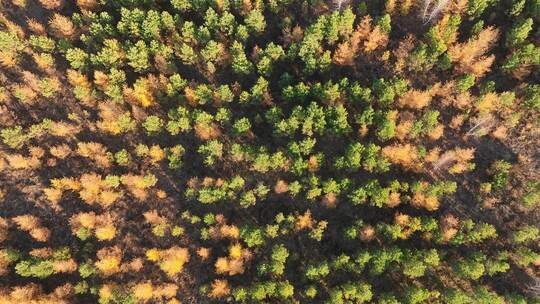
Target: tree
column 405, row 155
column 61, row 26
column 387, row 298
column 11, row 46
column 352, row 158
column 469, row 56
column 224, row 94
column 426, row 124
column 110, row 55
column 531, row 194
column 532, row 96
column 220, row 289
column 78, row 59
column 171, row 260
column 392, row 233
column 415, row 99
column 381, row 259
column 176, row 84
column 534, row 8
column 279, row 256
column 180, row 120
column 187, row 54
column 350, row 293
column 87, row 269
column 527, row 55
column 255, row 21
column 137, row 56
column 211, row 151
column 456, row 296
column 310, row 50
column 497, row 264
column 519, row 32
column 314, row 272
column 109, row 259
column 122, row 157
column 240, row 64
column 253, row 236
column 479, row 231
column 476, row 8
column 40, row 43
column 484, row 296
column 143, row 291
column 212, row 51
column 175, row 156
column 384, row 23
column 153, row 124
column 33, row 226
column 517, row 7
column 500, row 172
column 387, row 90
column 415, row 264
column 415, row 294
column 471, row 267
column 13, row 137
column 35, row 268
column 337, row 118
column 49, row 87
column 387, row 125
column 465, row 82
column 525, row 234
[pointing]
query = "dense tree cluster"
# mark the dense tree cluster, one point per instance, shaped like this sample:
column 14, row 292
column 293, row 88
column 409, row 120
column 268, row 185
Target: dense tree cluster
column 269, row 151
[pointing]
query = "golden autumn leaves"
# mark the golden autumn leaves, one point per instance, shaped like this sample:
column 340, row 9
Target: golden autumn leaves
column 94, row 189
column 366, row 38
column 470, row 57
column 33, row 226
column 171, row 260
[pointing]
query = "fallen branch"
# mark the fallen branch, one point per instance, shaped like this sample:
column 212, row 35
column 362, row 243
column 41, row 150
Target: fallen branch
column 435, row 9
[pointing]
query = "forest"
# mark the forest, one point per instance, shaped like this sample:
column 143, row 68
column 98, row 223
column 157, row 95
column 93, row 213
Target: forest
column 270, row 151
